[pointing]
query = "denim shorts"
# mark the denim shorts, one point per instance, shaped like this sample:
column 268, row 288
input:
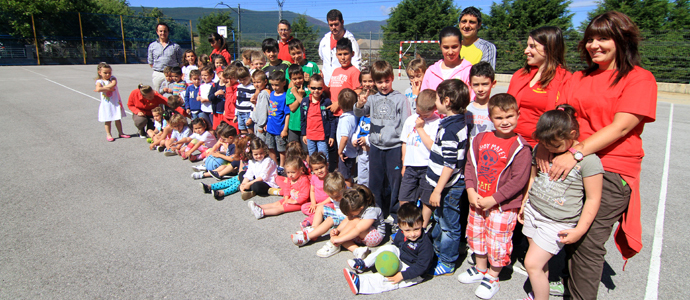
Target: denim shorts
column 242, row 118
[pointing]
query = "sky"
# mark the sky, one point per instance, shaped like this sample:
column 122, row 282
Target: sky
column 353, row 10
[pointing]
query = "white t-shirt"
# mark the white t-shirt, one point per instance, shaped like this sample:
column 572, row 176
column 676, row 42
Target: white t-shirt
column 477, row 120
column 411, row 99
column 186, row 70
column 178, row 135
column 206, row 137
column 266, row 169
column 204, row 90
column 346, row 127
column 416, row 154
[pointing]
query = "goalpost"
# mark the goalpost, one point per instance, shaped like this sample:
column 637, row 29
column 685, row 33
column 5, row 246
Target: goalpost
column 400, row 63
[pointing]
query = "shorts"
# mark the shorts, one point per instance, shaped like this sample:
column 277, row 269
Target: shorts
column 345, row 167
column 290, row 207
column 490, row 233
column 410, row 186
column 372, row 239
column 543, row 231
column 242, row 118
column 330, row 212
column 275, row 142
column 425, row 190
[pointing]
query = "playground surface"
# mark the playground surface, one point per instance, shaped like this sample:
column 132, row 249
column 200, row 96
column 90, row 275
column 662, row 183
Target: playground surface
column 84, row 218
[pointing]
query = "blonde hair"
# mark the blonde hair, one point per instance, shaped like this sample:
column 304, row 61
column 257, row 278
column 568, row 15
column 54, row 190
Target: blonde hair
column 144, row 89
column 102, row 65
column 258, row 55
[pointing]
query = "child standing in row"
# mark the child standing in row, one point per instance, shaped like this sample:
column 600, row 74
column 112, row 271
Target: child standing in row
column 270, row 48
column 278, row 118
column 481, row 81
column 295, row 194
column 260, row 113
column 189, row 64
column 191, row 96
column 415, row 72
column 496, row 174
column 344, row 77
column 318, row 124
column 111, row 108
column 296, row 49
column 243, row 106
column 293, row 98
column 177, row 86
column 258, row 61
column 347, row 124
column 206, row 107
column 361, row 138
column 452, row 66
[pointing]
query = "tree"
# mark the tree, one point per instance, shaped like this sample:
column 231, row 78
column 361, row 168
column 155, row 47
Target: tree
column 307, row 34
column 208, row 24
column 679, row 16
column 416, row 20
column 647, row 14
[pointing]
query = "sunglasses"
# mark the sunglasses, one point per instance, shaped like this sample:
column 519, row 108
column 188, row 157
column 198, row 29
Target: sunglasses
column 316, row 88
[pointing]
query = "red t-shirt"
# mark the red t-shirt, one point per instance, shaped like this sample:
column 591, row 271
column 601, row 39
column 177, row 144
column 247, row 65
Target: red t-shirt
column 533, row 102
column 334, row 42
column 224, row 53
column 283, row 52
column 314, row 122
column 492, row 159
column 298, row 191
column 342, row 79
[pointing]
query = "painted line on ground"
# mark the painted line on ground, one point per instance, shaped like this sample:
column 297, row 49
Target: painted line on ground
column 25, row 69
column 71, row 89
column 652, row 292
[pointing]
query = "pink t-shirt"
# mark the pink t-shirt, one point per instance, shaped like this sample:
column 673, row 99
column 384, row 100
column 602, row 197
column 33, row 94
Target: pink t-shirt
column 319, row 193
column 340, row 80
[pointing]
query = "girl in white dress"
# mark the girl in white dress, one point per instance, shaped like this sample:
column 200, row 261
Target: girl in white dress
column 111, row 108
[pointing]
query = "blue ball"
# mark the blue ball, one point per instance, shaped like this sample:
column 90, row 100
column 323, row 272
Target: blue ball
column 213, row 163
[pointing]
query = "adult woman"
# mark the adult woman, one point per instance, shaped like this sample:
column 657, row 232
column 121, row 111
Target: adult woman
column 219, row 47
column 614, row 97
column 141, row 101
column 537, row 86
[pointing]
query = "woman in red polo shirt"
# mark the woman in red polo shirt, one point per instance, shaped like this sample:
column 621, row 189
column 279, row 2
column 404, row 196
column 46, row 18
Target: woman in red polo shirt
column 614, row 98
column 219, row 47
column 537, row 86
column 141, row 101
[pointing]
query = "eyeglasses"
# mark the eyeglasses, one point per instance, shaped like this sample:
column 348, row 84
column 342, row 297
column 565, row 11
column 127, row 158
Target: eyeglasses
column 283, row 30
column 315, row 88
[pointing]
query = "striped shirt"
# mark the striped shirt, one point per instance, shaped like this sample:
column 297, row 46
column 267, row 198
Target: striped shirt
column 448, row 150
column 244, row 95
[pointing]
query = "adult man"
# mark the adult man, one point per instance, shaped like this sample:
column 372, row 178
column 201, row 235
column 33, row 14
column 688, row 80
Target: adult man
column 328, row 42
column 285, row 34
column 163, row 53
column 473, row 48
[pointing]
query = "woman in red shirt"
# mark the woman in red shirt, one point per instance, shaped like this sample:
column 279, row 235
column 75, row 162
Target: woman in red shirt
column 141, row 101
column 614, row 98
column 219, row 47
column 537, row 86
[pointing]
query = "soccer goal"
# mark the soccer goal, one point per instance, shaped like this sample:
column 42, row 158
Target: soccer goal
column 401, row 54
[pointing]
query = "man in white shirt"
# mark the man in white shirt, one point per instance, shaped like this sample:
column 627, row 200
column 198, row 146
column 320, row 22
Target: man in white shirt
column 328, row 42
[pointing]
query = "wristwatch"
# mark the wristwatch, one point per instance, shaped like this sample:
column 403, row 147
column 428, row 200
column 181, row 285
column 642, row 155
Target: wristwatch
column 576, row 154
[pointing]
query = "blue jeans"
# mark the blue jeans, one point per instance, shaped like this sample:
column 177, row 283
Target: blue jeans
column 206, row 116
column 321, row 146
column 242, row 118
column 447, row 233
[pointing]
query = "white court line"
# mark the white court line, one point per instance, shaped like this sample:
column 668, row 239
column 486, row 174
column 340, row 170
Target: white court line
column 33, row 72
column 652, row 292
column 71, row 89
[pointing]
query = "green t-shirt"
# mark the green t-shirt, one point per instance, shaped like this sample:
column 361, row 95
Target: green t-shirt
column 310, row 68
column 295, row 122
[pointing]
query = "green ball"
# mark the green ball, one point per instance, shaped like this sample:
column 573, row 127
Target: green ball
column 387, row 263
column 149, row 140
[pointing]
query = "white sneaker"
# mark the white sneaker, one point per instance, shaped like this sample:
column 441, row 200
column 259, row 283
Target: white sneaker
column 199, row 168
column 471, row 258
column 488, row 288
column 258, row 212
column 361, row 252
column 198, row 175
column 472, row 275
column 328, row 250
column 300, row 238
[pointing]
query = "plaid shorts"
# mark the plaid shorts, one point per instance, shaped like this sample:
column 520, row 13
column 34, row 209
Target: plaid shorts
column 330, row 212
column 490, row 233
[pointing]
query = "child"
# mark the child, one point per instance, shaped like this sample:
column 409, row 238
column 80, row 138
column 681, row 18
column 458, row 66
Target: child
column 219, row 64
column 346, row 76
column 230, row 77
column 260, row 113
column 553, row 214
column 418, row 134
column 204, row 61
column 318, row 163
column 452, row 65
column 295, row 194
column 261, row 171
column 180, row 131
column 191, row 95
column 158, row 124
column 327, row 213
column 247, row 58
column 415, row 72
column 221, row 156
column 230, row 186
column 388, row 110
column 413, row 248
column 258, row 61
column 217, row 97
column 278, row 118
column 244, row 106
column 496, row 174
column 296, row 49
column 361, row 137
column 445, row 184
column 206, row 107
column 294, row 97
column 481, row 81
column 318, row 124
column 175, row 107
column 363, row 225
column 347, row 124
column 111, row 108
column 190, row 60
column 201, row 139
column 270, row 48
column 165, row 89
column 177, row 86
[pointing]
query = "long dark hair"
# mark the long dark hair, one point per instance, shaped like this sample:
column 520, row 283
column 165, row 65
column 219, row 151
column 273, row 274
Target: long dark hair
column 551, row 38
column 557, row 125
column 217, row 37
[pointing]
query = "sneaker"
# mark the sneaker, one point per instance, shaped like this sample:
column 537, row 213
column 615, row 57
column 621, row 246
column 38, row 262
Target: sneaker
column 169, row 152
column 357, row 265
column 206, row 188
column 352, row 280
column 472, row 275
column 361, row 252
column 199, row 168
column 161, row 149
column 143, row 135
column 305, row 223
column 328, row 250
column 258, row 212
column 471, row 259
column 215, row 175
column 198, row 175
column 556, row 288
column 246, row 195
column 218, row 196
column 300, row 238
column 442, row 269
column 274, row 191
column 281, row 171
column 194, row 158
column 488, row 288
column 530, row 296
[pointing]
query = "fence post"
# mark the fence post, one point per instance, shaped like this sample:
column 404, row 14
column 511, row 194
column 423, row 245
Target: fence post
column 191, row 34
column 33, row 26
column 81, row 32
column 122, row 29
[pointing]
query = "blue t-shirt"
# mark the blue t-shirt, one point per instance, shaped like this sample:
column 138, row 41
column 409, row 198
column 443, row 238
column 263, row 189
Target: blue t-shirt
column 364, row 126
column 277, row 110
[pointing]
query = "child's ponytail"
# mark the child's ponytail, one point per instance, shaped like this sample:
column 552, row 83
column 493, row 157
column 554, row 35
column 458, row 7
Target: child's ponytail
column 359, row 196
column 557, row 125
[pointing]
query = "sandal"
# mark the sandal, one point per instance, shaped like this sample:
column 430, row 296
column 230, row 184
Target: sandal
column 124, row 136
column 110, row 139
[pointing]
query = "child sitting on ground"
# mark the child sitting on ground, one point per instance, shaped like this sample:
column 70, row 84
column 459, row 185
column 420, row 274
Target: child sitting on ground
column 156, row 134
column 232, row 185
column 201, row 139
column 318, row 163
column 326, row 214
column 295, row 194
column 413, row 247
column 180, row 130
column 220, row 156
column 261, row 171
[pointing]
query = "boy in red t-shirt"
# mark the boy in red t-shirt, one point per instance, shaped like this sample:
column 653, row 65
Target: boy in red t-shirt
column 347, row 76
column 497, row 170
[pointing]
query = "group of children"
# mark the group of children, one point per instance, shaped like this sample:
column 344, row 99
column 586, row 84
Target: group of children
column 416, row 156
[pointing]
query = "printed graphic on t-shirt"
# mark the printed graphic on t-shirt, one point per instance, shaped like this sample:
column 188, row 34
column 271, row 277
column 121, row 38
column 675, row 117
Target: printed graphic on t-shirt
column 272, row 108
column 383, row 110
column 294, row 195
column 415, row 138
column 490, row 156
column 338, row 80
column 553, row 191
